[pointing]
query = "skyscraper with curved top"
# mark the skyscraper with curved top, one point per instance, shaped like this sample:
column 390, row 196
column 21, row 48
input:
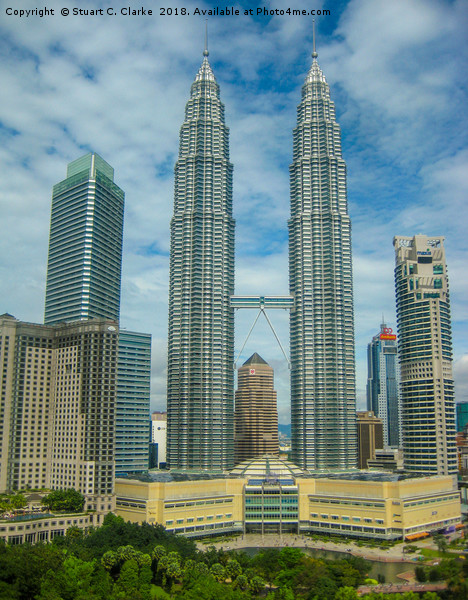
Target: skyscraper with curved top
column 323, row 420
column 200, row 391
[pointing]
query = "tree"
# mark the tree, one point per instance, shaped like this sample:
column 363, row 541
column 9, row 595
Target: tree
column 64, row 501
column 23, row 567
column 346, row 593
column 420, row 573
column 128, row 578
column 440, row 542
column 241, row 582
column 267, row 564
column 158, row 551
column 73, row 581
column 430, row 596
column 109, row 560
column 18, row 501
column 218, row 572
column 233, row 568
column 290, row 557
column 256, row 584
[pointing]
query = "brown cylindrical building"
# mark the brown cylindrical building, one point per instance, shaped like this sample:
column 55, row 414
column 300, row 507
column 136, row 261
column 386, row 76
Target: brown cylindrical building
column 256, row 412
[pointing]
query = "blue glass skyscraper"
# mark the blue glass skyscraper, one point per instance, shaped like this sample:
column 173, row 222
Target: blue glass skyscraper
column 85, row 247
column 383, row 376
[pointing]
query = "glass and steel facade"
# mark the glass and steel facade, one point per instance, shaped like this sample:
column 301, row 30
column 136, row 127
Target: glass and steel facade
column 425, row 349
column 271, row 505
column 323, row 403
column 383, row 378
column 462, row 415
column 200, row 391
column 85, row 247
column 132, row 428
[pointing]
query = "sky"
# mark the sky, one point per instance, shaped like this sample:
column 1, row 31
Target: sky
column 117, row 84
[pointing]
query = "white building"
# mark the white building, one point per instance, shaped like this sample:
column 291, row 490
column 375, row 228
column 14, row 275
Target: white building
column 159, row 435
column 425, row 349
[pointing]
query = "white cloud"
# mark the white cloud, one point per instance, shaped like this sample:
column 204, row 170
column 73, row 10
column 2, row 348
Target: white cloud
column 118, row 86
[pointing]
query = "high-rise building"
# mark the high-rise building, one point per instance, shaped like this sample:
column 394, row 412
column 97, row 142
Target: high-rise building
column 369, row 435
column 383, row 379
column 425, row 350
column 256, row 412
column 323, row 398
column 85, row 247
column 83, row 282
column 462, row 415
column 58, row 407
column 133, row 402
column 159, row 438
column 200, row 385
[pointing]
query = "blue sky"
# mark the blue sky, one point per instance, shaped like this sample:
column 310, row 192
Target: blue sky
column 118, row 85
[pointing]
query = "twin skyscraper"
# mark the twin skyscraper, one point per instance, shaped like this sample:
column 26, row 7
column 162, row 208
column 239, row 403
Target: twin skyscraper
column 200, row 394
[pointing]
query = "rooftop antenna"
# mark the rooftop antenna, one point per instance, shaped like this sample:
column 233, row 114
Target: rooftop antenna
column 205, row 51
column 314, row 53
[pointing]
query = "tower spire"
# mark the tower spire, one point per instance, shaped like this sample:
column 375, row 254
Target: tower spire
column 314, row 53
column 205, row 51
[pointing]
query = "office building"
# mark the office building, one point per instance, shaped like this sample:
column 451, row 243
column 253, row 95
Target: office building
column 158, row 438
column 256, row 412
column 271, row 495
column 85, row 246
column 383, row 381
column 83, row 282
column 200, row 380
column 58, row 385
column 462, row 415
column 389, row 459
column 133, row 402
column 323, row 398
column 369, row 435
column 425, row 350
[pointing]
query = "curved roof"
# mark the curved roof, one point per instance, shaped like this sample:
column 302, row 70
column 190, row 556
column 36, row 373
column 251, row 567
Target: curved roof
column 266, row 466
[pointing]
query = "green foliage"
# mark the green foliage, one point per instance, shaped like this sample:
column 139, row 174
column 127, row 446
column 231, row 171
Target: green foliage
column 346, row 593
column 23, row 567
column 440, row 542
column 256, row 584
column 241, row 582
column 233, row 568
column 18, row 501
column 158, row 551
column 266, row 564
column 420, row 573
column 218, row 572
column 64, row 501
column 290, row 557
column 124, row 561
column 72, row 582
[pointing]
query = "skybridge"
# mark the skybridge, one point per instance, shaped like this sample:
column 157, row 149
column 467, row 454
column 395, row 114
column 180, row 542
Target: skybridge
column 262, row 303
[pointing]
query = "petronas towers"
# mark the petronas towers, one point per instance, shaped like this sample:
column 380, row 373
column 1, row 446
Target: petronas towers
column 201, row 320
column 200, row 395
column 323, row 397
